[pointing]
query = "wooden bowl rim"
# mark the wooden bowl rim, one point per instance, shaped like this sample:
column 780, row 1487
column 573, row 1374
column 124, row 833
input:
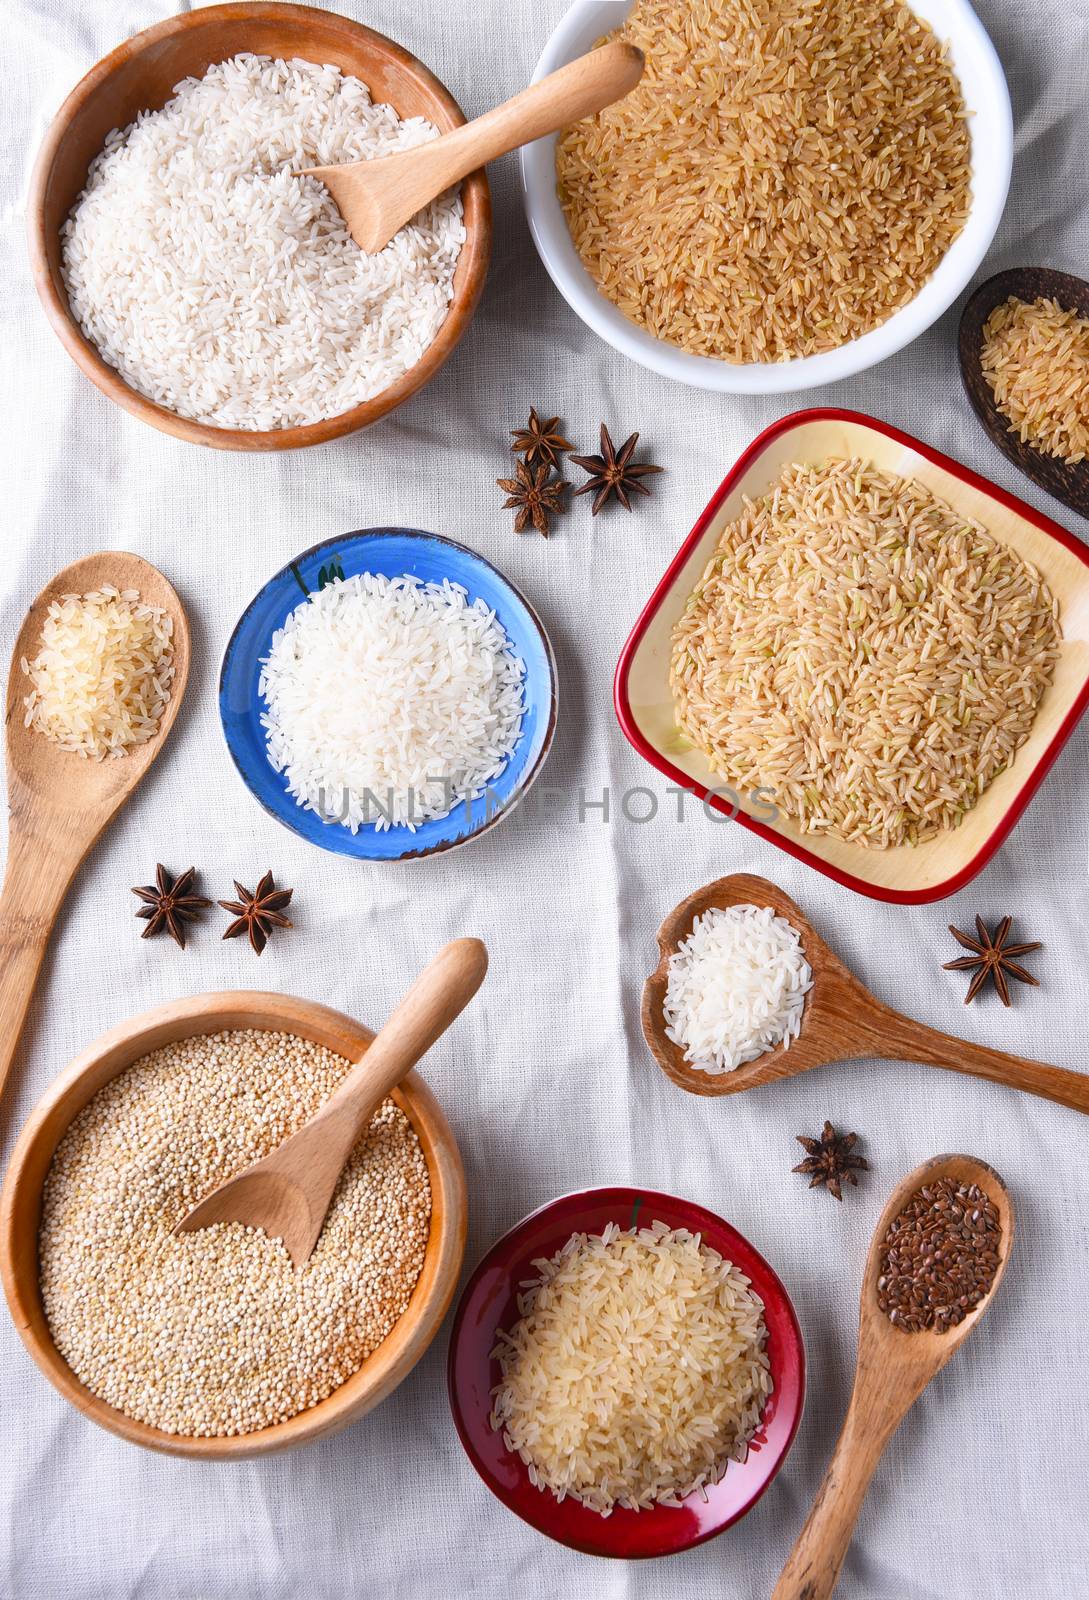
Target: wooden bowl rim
column 400, row 1350
column 472, row 261
column 1068, row 483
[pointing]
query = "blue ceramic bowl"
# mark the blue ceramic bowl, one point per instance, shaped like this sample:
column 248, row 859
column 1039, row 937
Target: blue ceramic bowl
column 391, row 552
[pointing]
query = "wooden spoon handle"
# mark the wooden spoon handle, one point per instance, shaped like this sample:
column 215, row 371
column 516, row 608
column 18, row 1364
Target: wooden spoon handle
column 813, row 1566
column 584, row 86
column 443, row 990
column 900, row 1038
column 38, row 874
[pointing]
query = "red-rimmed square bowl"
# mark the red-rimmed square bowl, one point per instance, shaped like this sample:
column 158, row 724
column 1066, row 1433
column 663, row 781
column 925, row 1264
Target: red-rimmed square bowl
column 489, row 1303
column 908, row 874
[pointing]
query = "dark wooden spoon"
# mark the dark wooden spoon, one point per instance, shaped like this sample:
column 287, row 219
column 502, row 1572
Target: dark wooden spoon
column 1067, row 483
column 842, row 1020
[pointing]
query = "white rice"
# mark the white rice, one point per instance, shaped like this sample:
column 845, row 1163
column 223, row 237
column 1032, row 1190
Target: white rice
column 736, row 987
column 227, row 288
column 390, row 701
column 637, row 1371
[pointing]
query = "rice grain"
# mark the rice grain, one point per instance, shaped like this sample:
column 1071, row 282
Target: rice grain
column 785, row 177
column 867, row 654
column 1035, row 356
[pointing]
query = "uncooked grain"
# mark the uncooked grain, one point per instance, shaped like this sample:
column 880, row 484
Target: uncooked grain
column 215, row 1332
column 102, row 673
column 1035, row 356
column 736, row 987
column 868, row 654
column 390, row 701
column 223, row 284
column 786, row 176
column 637, row 1370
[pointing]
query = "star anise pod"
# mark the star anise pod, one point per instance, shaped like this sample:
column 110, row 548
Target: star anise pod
column 614, row 472
column 540, row 441
column 991, row 955
column 830, row 1160
column 535, row 494
column 258, row 913
column 169, row 903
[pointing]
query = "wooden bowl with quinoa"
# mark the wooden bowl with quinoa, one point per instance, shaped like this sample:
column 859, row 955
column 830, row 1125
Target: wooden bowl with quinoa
column 103, row 1062
column 141, row 75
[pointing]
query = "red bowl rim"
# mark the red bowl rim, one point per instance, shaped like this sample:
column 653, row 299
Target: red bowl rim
column 1033, row 780
column 603, row 1536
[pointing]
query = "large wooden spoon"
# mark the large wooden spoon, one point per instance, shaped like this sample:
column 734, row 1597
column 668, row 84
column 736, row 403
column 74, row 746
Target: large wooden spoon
column 893, row 1369
column 842, row 1020
column 288, row 1192
column 58, row 803
column 376, row 198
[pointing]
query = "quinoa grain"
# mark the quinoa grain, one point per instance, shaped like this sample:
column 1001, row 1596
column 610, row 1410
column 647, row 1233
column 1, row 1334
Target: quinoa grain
column 215, row 1333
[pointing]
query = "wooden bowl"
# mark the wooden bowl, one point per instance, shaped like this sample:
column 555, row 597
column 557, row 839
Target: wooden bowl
column 140, row 75
column 1068, row 483
column 20, row 1215
column 907, row 874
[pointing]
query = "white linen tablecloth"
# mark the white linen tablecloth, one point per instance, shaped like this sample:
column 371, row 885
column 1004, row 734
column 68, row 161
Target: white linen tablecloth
column 546, row 1079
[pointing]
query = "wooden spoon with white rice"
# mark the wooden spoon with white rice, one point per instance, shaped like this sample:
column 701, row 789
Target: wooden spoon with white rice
column 840, row 1021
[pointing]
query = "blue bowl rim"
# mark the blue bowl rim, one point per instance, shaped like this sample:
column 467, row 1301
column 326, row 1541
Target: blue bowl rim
column 338, row 540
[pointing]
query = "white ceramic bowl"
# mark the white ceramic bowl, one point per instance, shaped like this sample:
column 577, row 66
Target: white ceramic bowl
column 991, row 123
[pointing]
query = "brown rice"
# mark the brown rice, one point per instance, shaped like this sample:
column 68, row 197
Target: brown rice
column 1035, row 357
column 787, row 174
column 863, row 651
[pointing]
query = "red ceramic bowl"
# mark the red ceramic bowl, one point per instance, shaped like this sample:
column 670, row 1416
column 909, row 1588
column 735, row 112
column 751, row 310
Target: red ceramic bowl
column 910, row 874
column 489, row 1303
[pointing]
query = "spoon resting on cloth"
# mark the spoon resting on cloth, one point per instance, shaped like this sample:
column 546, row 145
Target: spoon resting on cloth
column 288, row 1192
column 893, row 1369
column 842, row 1020
column 59, row 803
column 376, row 198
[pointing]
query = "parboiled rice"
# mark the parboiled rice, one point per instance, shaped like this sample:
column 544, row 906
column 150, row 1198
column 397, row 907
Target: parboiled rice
column 101, row 677
column 787, row 174
column 637, row 1371
column 865, row 652
column 226, row 287
column 1035, row 356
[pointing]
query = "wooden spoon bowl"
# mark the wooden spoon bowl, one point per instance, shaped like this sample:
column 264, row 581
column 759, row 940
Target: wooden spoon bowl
column 140, row 75
column 842, row 1020
column 21, row 1204
column 1067, row 483
column 894, row 1367
column 59, row 803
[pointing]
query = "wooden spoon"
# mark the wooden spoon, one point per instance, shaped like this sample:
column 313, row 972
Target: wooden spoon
column 376, row 198
column 893, row 1369
column 288, row 1193
column 1067, row 483
column 842, row 1020
column 58, row 803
